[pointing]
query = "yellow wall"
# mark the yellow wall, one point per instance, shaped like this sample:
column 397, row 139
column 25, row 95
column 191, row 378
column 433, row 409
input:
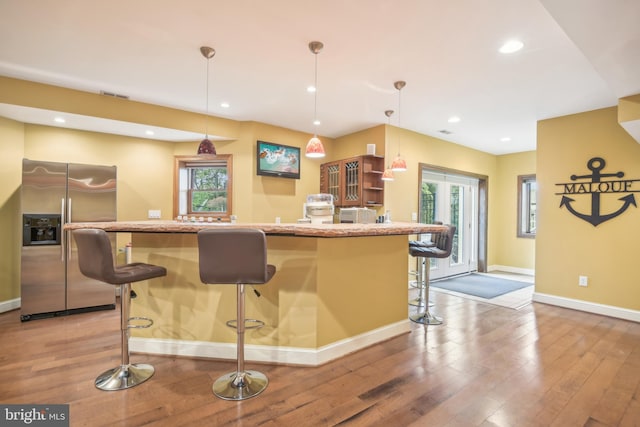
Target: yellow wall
column 145, row 167
column 566, row 246
column 401, row 194
column 355, row 144
column 306, row 304
column 11, row 147
column 262, row 198
column 510, row 249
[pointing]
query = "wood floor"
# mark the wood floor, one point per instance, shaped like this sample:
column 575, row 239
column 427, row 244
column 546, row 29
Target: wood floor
column 486, row 366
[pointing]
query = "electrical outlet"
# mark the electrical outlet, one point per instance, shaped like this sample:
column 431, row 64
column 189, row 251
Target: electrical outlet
column 154, row 214
column 583, row 281
column 414, row 216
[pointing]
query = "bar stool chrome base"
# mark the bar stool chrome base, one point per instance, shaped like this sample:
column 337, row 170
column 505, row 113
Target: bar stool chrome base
column 240, row 385
column 426, row 318
column 124, row 376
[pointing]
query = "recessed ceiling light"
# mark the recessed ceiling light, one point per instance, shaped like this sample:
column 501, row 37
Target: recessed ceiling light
column 224, row 105
column 311, row 89
column 511, row 46
column 505, row 139
column 454, row 119
column 316, row 122
column 149, row 132
column 59, row 120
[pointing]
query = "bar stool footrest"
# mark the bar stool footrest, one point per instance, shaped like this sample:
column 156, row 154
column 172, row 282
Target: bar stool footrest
column 253, row 323
column 416, row 284
column 416, row 302
column 148, row 322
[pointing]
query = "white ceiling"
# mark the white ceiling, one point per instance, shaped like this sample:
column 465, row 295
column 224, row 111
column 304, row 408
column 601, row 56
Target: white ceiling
column 578, row 55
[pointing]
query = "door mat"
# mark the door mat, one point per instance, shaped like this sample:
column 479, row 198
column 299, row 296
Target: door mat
column 480, row 285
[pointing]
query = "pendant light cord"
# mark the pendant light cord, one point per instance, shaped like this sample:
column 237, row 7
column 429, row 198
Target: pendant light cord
column 399, row 110
column 206, row 120
column 399, row 85
column 315, row 97
column 399, row 105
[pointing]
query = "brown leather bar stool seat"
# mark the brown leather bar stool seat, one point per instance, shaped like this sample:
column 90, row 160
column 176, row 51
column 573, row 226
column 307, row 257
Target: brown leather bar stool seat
column 442, row 249
column 95, row 258
column 236, row 256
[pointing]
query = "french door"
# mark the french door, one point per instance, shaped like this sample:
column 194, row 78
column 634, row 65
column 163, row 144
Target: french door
column 451, row 199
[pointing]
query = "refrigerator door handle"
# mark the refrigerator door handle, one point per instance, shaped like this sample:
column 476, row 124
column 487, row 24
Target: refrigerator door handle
column 69, row 231
column 63, row 232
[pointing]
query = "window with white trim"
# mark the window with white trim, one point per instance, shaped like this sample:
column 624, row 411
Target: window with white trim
column 527, row 206
column 203, row 186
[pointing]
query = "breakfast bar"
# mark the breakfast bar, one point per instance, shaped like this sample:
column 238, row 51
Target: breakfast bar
column 338, row 288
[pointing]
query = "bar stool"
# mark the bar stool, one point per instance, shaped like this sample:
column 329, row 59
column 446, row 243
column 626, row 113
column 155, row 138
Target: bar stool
column 236, row 256
column 442, row 249
column 420, row 264
column 95, row 258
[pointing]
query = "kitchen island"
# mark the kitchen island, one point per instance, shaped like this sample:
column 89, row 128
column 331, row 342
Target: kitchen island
column 338, row 288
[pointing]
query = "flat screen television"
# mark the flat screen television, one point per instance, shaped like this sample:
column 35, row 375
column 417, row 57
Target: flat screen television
column 278, row 160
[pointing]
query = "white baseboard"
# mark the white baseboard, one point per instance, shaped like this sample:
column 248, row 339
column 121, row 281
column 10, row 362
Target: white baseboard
column 9, row 305
column 268, row 354
column 508, row 269
column 590, row 307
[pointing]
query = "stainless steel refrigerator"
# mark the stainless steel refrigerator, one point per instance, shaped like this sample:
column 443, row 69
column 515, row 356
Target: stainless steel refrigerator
column 53, row 194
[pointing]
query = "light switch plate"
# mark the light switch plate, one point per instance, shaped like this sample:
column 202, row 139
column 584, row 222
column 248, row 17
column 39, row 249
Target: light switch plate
column 154, row 213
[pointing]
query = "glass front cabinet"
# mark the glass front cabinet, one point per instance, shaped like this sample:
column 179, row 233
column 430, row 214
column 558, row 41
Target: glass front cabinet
column 354, row 182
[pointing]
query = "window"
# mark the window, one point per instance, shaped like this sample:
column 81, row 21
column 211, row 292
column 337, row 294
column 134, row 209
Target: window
column 527, row 206
column 203, row 186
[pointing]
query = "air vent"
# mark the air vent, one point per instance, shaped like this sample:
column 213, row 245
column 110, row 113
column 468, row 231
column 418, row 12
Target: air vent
column 115, row 95
column 445, row 131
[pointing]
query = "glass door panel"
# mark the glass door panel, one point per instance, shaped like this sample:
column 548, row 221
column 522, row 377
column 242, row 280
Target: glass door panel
column 451, row 199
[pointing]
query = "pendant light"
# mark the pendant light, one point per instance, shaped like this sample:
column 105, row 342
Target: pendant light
column 398, row 164
column 206, row 146
column 315, row 149
column 387, row 175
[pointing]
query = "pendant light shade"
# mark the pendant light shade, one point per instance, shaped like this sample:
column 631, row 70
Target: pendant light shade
column 399, row 164
column 315, row 149
column 387, row 175
column 206, row 146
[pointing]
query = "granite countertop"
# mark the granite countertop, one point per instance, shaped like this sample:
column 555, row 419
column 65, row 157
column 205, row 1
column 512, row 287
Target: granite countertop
column 284, row 229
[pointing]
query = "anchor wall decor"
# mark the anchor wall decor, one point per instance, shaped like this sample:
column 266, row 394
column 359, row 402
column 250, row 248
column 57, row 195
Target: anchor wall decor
column 597, row 187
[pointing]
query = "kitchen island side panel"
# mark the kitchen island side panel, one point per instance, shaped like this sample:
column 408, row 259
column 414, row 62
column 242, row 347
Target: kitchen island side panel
column 324, row 291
